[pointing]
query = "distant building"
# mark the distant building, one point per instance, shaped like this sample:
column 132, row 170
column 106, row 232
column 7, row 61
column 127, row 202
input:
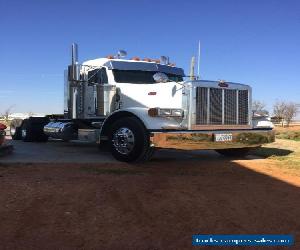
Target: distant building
column 18, row 116
column 21, row 115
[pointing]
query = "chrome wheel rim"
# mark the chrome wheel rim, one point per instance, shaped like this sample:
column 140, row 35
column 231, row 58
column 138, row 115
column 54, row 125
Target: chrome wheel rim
column 123, row 141
column 24, row 132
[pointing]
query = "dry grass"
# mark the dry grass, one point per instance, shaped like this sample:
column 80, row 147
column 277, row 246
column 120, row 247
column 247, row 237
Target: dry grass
column 289, row 133
column 285, row 153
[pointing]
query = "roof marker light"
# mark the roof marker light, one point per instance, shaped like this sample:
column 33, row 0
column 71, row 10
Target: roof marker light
column 135, row 58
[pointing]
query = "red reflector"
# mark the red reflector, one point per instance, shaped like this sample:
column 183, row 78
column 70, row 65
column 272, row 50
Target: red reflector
column 2, row 126
column 152, row 93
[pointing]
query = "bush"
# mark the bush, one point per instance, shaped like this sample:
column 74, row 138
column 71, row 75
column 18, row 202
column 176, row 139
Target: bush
column 289, row 135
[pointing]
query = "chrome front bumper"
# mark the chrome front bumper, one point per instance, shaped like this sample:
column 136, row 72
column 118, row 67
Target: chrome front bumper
column 191, row 140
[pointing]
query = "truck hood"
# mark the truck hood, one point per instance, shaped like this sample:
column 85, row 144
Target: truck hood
column 162, row 95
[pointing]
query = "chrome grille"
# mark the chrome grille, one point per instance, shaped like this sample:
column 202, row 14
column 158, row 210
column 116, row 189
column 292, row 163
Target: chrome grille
column 219, row 106
column 201, row 105
column 215, row 105
column 243, row 107
column 230, row 106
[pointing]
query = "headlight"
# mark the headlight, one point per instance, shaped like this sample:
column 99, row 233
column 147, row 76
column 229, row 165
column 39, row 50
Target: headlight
column 177, row 112
column 165, row 112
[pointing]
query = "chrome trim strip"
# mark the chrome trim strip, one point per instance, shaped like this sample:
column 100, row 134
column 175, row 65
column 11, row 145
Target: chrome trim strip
column 223, row 106
column 208, row 106
column 237, row 106
column 250, row 106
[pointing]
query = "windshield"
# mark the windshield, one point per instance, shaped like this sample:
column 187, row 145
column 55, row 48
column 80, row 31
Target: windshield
column 138, row 76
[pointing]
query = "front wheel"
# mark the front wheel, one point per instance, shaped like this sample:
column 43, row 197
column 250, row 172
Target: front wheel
column 129, row 140
column 234, row 152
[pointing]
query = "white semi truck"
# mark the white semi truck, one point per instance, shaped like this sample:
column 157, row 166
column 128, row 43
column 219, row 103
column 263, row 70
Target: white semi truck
column 134, row 106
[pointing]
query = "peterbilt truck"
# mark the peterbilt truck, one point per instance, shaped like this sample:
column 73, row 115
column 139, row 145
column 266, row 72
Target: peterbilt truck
column 133, row 107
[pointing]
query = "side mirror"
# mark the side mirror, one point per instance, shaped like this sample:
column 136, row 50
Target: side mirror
column 160, row 77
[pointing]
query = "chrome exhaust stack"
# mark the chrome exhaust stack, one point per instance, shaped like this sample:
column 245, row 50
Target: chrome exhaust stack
column 74, row 53
column 75, row 68
column 71, row 85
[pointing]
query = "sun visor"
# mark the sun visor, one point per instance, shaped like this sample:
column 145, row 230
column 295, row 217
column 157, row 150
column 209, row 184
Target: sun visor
column 123, row 65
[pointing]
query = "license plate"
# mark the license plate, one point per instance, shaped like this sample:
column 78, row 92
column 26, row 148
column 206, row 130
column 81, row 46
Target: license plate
column 223, row 137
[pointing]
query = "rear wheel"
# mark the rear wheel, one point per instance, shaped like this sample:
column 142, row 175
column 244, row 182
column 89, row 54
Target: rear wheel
column 27, row 131
column 129, row 140
column 32, row 129
column 234, row 152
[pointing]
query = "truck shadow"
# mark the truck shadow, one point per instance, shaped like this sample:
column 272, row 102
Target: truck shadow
column 212, row 194
column 266, row 152
column 259, row 153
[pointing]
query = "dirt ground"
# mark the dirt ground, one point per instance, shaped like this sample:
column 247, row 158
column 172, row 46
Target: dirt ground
column 157, row 205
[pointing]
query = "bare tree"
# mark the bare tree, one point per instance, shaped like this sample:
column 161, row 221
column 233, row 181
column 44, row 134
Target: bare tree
column 258, row 109
column 258, row 106
column 290, row 111
column 284, row 111
column 7, row 113
column 279, row 111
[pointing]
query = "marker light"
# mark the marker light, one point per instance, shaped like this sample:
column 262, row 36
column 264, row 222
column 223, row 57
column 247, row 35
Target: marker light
column 2, row 126
column 135, row 58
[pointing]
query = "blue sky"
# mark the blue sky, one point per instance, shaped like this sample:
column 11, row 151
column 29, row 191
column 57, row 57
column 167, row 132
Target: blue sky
column 253, row 42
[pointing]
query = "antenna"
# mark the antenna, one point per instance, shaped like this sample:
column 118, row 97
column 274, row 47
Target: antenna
column 198, row 62
column 192, row 73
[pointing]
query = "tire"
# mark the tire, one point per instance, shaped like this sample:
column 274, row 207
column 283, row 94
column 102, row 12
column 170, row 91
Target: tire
column 129, row 140
column 234, row 152
column 27, row 131
column 15, row 129
column 32, row 129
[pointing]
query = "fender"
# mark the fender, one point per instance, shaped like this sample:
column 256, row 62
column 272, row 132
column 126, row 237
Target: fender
column 150, row 123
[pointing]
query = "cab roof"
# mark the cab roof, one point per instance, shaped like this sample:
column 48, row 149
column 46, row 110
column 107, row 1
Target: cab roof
column 122, row 64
